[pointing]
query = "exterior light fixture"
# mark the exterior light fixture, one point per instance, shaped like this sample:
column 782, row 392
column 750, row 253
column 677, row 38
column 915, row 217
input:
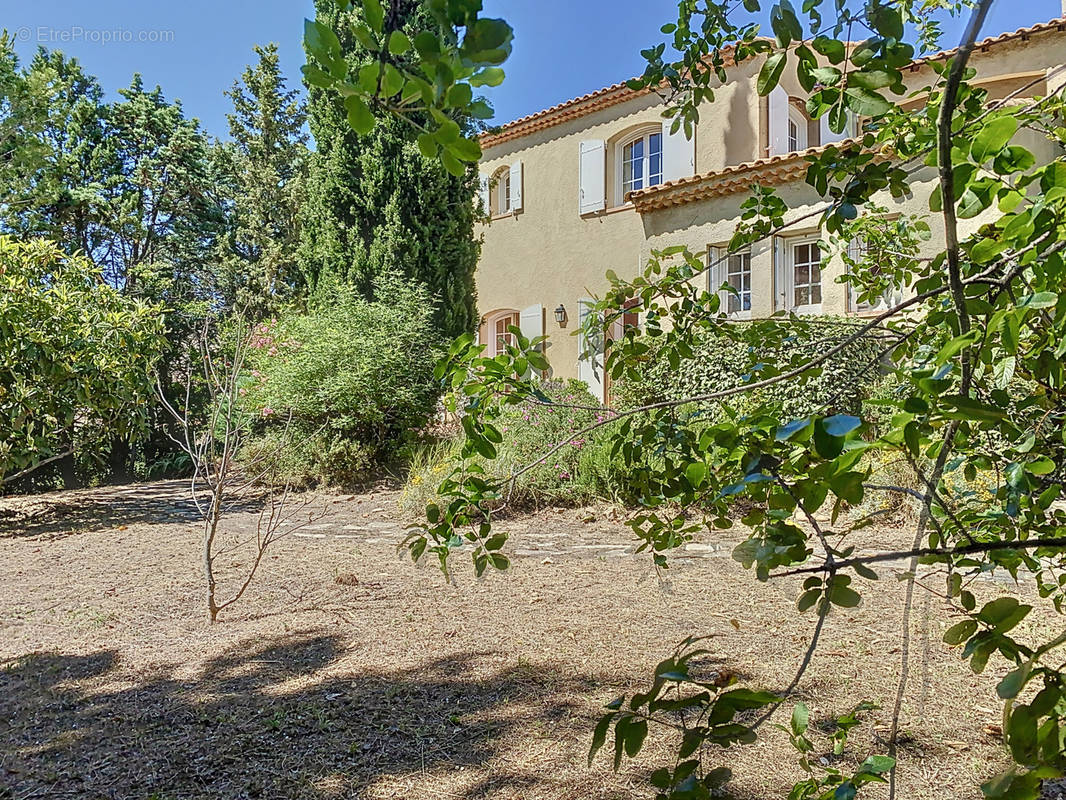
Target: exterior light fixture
column 560, row 315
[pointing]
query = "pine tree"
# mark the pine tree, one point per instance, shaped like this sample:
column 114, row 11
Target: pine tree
column 266, row 165
column 375, row 205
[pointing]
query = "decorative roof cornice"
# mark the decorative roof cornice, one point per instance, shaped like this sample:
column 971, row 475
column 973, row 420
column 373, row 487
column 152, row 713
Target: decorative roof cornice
column 620, row 92
column 1058, row 24
column 738, row 178
column 572, row 109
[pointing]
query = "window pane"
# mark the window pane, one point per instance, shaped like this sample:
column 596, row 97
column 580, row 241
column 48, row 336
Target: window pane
column 803, row 294
column 633, row 166
column 655, row 159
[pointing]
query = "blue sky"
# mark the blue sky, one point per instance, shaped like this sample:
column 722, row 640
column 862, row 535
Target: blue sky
column 195, row 49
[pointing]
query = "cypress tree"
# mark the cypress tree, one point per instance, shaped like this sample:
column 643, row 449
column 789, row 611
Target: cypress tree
column 375, row 205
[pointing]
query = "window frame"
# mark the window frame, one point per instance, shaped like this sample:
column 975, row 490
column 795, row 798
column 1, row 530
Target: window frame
column 797, row 119
column 787, row 274
column 509, row 316
column 643, row 134
column 891, row 296
column 500, row 202
column 719, row 272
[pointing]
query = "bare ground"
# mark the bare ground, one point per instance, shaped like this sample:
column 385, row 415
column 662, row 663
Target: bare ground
column 348, row 672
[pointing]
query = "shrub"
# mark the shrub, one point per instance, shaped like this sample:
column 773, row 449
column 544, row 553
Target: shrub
column 530, row 430
column 77, row 359
column 353, row 380
column 720, row 363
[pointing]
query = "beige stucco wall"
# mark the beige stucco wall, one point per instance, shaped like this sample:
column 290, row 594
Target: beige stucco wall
column 550, row 254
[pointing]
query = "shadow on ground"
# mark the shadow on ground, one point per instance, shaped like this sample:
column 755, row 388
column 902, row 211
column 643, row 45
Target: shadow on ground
column 260, row 721
column 82, row 511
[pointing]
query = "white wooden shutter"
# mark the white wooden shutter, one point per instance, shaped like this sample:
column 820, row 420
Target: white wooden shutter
column 828, row 137
column 484, row 189
column 778, row 120
column 531, row 321
column 782, row 284
column 593, row 177
column 590, row 351
column 516, row 186
column 679, row 154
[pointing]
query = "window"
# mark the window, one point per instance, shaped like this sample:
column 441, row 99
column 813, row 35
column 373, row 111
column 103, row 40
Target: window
column 733, row 269
column 642, row 162
column 860, row 252
column 806, row 276
column 500, row 192
column 797, row 130
column 503, row 337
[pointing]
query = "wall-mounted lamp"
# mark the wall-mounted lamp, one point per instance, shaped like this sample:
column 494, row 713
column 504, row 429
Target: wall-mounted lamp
column 560, row 315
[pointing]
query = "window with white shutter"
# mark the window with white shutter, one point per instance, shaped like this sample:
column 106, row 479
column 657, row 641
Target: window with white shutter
column 734, row 270
column 515, row 185
column 799, row 275
column 593, row 176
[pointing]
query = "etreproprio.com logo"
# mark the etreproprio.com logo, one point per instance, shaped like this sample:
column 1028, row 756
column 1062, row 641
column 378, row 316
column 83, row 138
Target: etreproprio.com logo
column 43, row 34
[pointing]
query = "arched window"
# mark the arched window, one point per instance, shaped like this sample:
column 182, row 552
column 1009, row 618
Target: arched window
column 500, row 191
column 640, row 161
column 496, row 337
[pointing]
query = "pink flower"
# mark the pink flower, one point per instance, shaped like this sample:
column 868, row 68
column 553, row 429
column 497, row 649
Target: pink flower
column 242, row 392
column 267, row 411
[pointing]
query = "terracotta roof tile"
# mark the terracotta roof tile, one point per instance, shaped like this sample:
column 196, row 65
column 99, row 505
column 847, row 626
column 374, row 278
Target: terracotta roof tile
column 571, row 109
column 774, row 169
column 619, row 92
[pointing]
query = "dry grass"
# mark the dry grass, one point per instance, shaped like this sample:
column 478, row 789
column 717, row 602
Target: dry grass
column 350, row 673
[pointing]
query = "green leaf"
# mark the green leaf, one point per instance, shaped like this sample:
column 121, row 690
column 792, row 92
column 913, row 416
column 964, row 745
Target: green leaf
column 1041, row 300
column 696, row 472
column 359, row 115
column 848, row 486
column 636, row 733
column 316, row 77
column 866, row 102
column 787, row 431
column 844, row 596
column 375, row 14
column 840, row 424
column 399, row 43
column 992, row 138
column 833, row 49
column 960, row 632
column 452, row 164
column 770, row 73
column 490, row 76
column 1014, row 681
column 322, row 42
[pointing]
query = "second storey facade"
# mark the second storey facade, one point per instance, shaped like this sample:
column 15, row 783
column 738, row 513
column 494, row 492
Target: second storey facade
column 599, row 182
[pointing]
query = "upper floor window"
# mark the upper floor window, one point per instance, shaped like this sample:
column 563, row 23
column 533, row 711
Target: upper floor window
column 787, row 124
column 642, row 162
column 501, row 193
column 635, row 158
column 797, row 129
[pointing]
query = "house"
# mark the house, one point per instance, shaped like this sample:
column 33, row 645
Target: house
column 598, row 183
